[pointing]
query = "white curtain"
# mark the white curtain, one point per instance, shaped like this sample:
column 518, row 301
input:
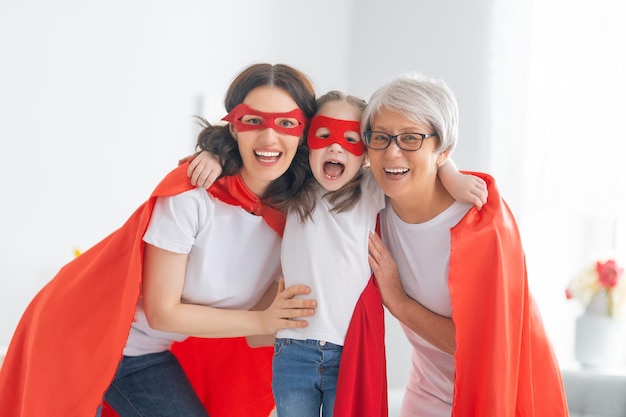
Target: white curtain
column 558, row 99
column 577, row 105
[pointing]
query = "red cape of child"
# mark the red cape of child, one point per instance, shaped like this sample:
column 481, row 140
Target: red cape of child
column 69, row 341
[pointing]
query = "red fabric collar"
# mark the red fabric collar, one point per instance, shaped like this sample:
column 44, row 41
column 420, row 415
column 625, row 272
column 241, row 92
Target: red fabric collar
column 232, row 190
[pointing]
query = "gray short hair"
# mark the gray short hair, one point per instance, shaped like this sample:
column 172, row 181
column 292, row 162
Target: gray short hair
column 423, row 100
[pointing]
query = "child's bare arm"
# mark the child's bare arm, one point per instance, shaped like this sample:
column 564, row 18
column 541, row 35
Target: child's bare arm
column 463, row 187
column 204, row 168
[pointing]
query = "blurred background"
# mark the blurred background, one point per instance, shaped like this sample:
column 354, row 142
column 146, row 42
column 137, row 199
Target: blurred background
column 97, row 102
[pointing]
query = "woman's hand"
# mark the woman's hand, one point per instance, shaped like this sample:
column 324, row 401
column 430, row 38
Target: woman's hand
column 285, row 309
column 434, row 328
column 162, row 286
column 203, row 170
column 385, row 272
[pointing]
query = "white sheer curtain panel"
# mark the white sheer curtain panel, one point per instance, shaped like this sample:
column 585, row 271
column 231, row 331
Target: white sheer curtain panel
column 559, row 120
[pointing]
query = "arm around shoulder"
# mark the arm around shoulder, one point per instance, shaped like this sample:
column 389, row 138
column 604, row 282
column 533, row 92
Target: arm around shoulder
column 463, row 187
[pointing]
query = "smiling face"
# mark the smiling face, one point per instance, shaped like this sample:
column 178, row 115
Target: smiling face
column 266, row 151
column 333, row 166
column 404, row 176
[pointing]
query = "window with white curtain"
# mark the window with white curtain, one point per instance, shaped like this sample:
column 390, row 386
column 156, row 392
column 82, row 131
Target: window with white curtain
column 558, row 94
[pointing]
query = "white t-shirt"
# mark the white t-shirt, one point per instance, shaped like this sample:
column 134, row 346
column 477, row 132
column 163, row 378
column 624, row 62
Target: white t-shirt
column 234, row 257
column 329, row 253
column 422, row 253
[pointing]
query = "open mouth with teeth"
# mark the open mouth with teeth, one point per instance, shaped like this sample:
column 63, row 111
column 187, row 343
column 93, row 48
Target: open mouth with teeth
column 267, row 157
column 396, row 171
column 333, row 170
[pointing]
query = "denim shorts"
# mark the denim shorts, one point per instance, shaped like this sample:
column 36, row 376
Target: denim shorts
column 305, row 377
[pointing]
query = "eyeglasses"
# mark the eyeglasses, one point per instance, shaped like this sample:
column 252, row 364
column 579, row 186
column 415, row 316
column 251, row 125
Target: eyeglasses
column 405, row 141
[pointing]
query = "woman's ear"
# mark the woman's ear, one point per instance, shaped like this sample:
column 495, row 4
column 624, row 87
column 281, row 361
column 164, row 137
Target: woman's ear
column 442, row 158
column 232, row 130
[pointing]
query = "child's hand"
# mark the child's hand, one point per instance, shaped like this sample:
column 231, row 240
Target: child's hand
column 187, row 158
column 204, row 169
column 469, row 189
column 463, row 187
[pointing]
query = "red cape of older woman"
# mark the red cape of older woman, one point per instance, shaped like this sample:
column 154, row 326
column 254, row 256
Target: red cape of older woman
column 504, row 363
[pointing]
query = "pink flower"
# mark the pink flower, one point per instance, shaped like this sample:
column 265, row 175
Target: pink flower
column 609, row 273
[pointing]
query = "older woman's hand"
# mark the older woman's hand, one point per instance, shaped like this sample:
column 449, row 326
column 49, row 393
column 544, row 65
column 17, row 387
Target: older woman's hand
column 386, row 273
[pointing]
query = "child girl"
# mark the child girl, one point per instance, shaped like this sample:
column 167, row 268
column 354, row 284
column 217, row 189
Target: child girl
column 340, row 354
column 187, row 263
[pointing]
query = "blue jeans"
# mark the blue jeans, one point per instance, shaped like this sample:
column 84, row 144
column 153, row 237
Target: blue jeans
column 153, row 385
column 305, row 377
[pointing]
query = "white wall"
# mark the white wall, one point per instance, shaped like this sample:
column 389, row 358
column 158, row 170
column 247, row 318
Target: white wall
column 445, row 39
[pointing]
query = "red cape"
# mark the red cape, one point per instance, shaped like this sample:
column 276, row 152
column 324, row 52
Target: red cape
column 66, row 348
column 362, row 380
column 504, row 364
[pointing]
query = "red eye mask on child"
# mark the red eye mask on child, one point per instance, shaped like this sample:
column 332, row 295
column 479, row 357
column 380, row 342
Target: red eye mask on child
column 267, row 120
column 337, row 131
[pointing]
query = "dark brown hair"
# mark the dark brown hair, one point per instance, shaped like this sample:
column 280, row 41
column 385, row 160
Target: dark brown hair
column 219, row 141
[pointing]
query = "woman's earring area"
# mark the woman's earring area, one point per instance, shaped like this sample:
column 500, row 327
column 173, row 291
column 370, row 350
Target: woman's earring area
column 233, row 131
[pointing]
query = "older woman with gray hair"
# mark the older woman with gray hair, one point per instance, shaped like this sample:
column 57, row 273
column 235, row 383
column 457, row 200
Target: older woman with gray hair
column 454, row 276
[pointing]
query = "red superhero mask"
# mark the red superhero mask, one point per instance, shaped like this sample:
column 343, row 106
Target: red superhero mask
column 265, row 120
column 337, row 134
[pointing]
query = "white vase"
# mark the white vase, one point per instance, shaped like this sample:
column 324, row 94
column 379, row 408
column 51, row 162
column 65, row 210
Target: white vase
column 599, row 341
